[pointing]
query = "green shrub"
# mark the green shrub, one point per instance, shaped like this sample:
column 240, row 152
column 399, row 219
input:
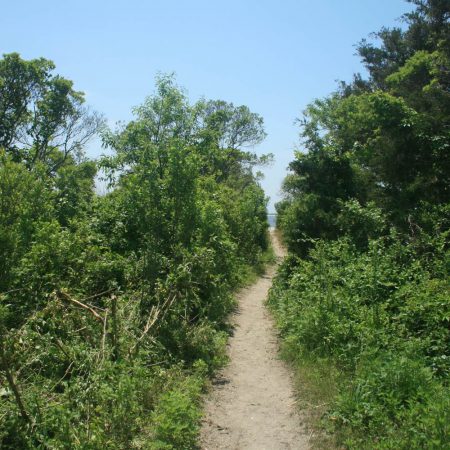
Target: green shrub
column 113, row 309
column 395, row 401
column 381, row 317
column 176, row 417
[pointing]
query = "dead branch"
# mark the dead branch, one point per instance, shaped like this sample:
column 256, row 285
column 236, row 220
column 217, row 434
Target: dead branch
column 115, row 329
column 65, row 296
column 105, row 332
column 151, row 321
column 64, row 376
column 99, row 295
column 4, row 365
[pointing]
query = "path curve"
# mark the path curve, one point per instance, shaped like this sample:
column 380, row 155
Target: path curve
column 252, row 404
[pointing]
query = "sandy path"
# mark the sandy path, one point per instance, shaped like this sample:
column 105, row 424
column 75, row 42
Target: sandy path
column 252, row 405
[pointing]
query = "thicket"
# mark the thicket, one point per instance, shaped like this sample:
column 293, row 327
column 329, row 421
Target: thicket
column 365, row 290
column 113, row 307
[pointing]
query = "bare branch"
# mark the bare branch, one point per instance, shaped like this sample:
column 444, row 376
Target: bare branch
column 64, row 296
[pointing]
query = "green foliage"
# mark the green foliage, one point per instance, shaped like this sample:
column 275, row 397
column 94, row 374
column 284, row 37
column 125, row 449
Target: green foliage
column 384, row 142
column 381, row 316
column 176, row 418
column 42, row 118
column 113, row 308
column 366, row 218
column 397, row 398
column 233, row 127
column 74, row 185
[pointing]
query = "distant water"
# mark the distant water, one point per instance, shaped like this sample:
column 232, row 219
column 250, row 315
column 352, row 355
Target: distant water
column 272, row 220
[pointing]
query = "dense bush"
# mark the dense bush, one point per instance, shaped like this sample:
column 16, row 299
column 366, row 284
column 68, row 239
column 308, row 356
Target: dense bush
column 382, row 317
column 113, row 308
column 366, row 219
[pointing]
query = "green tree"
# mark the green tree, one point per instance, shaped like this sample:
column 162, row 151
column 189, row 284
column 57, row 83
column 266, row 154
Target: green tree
column 42, row 118
column 233, row 126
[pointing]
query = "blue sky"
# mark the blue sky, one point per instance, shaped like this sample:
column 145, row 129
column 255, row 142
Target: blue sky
column 274, row 56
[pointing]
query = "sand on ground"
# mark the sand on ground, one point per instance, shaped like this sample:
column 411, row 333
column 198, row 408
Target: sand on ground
column 252, row 402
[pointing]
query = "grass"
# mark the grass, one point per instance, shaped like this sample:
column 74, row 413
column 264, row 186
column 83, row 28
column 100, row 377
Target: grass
column 316, row 385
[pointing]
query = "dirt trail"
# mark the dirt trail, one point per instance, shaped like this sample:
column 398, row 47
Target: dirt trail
column 252, row 405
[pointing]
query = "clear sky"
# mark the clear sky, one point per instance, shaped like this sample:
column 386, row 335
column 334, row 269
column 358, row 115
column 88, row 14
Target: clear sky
column 273, row 56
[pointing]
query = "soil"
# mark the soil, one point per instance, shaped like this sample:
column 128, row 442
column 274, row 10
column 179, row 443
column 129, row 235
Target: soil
column 252, row 403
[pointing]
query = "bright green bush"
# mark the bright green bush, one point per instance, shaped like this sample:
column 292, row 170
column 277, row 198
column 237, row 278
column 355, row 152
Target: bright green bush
column 382, row 317
column 394, row 399
column 176, row 418
column 113, row 308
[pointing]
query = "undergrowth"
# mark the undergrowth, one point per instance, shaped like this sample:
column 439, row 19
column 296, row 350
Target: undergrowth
column 368, row 332
column 113, row 308
column 365, row 215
